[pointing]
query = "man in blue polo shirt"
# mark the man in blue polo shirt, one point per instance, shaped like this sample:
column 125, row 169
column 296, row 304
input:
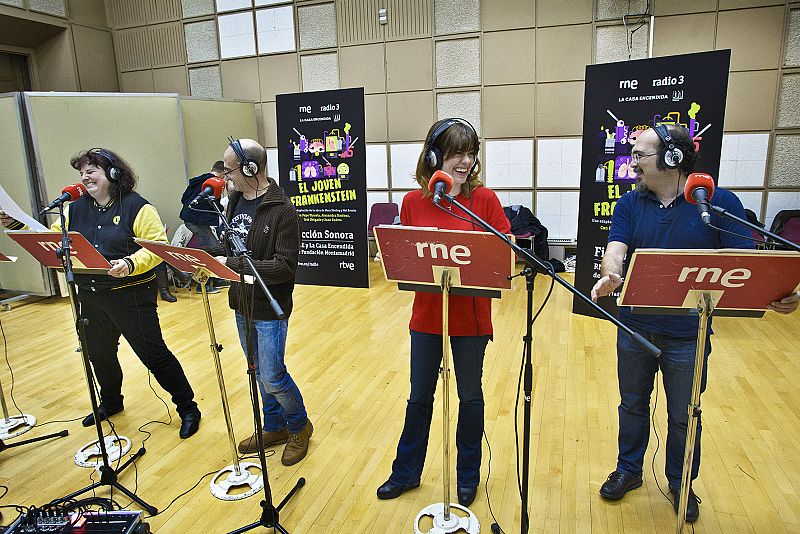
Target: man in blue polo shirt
column 656, row 215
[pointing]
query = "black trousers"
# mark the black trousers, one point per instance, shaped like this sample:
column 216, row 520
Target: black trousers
column 131, row 312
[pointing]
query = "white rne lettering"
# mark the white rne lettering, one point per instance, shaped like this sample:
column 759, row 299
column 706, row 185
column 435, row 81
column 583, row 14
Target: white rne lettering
column 49, row 245
column 185, row 257
column 438, row 248
column 732, row 278
column 734, row 275
column 456, row 253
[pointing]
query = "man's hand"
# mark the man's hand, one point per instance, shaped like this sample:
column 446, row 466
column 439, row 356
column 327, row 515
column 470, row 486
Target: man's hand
column 786, row 304
column 222, row 259
column 119, row 269
column 606, row 285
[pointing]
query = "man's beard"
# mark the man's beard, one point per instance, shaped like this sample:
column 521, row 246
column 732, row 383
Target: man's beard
column 639, row 185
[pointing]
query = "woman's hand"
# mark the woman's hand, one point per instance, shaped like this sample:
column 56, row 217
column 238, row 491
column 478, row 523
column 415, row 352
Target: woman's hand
column 119, row 269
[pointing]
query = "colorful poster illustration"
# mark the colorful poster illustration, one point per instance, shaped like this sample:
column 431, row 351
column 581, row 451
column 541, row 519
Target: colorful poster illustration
column 622, row 100
column 323, row 169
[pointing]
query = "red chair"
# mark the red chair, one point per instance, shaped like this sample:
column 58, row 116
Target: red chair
column 382, row 213
column 787, row 225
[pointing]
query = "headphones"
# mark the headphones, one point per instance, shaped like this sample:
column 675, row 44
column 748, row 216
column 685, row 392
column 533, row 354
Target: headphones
column 113, row 171
column 249, row 166
column 433, row 155
column 672, row 155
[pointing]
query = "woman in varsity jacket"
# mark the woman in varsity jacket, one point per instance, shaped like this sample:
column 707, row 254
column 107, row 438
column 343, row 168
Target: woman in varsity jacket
column 123, row 301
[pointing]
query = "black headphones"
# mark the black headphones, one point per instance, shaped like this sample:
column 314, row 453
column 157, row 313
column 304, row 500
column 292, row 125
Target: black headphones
column 672, row 155
column 113, row 171
column 249, row 166
column 433, row 155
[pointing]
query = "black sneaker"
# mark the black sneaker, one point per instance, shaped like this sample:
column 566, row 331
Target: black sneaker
column 692, row 504
column 618, row 484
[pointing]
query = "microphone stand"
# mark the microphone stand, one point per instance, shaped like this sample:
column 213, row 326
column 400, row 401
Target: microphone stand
column 108, row 476
column 539, row 265
column 270, row 514
column 775, row 237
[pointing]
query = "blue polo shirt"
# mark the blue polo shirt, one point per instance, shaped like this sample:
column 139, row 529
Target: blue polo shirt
column 641, row 221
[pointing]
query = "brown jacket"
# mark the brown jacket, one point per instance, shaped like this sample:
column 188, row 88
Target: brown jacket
column 274, row 244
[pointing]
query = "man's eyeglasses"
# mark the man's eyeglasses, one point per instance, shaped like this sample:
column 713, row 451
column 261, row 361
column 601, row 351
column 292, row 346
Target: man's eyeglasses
column 227, row 172
column 636, row 157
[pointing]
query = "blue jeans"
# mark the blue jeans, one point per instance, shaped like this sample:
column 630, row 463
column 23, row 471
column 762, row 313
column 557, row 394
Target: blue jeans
column 636, row 370
column 280, row 398
column 426, row 359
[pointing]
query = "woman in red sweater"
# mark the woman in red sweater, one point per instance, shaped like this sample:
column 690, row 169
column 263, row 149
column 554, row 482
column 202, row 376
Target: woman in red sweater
column 451, row 145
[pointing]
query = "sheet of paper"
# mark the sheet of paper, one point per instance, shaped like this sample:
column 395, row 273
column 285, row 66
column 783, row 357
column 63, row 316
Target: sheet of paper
column 8, row 205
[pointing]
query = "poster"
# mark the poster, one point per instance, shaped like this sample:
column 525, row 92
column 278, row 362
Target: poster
column 323, row 170
column 622, row 100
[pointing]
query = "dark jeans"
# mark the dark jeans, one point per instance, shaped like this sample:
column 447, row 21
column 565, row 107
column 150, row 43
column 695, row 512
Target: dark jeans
column 131, row 312
column 636, row 370
column 426, row 359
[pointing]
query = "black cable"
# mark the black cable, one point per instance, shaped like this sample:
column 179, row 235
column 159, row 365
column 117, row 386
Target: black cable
column 472, row 222
column 658, row 440
column 59, row 421
column 486, row 484
column 10, row 370
column 749, row 238
column 184, row 493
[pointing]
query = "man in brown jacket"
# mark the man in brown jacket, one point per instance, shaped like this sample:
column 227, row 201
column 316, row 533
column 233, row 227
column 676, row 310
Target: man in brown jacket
column 266, row 220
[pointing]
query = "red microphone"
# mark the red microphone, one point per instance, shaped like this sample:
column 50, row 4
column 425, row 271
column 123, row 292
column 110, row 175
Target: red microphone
column 699, row 190
column 212, row 187
column 68, row 194
column 440, row 183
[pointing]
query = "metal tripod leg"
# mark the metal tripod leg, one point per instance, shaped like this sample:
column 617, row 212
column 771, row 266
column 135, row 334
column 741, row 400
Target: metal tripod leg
column 705, row 305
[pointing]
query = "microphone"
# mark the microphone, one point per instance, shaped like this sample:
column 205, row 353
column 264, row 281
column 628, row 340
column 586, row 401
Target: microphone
column 699, row 190
column 440, row 183
column 68, row 194
column 211, row 187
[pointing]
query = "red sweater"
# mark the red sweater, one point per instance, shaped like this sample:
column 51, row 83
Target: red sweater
column 468, row 316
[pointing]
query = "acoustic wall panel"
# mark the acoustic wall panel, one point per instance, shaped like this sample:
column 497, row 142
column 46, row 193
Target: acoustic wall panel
column 133, row 49
column 357, row 21
column 167, row 44
column 26, row 274
column 152, row 127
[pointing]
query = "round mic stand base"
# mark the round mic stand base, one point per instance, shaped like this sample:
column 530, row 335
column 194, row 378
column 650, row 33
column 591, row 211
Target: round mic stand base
column 237, row 477
column 116, row 448
column 459, row 519
column 16, row 425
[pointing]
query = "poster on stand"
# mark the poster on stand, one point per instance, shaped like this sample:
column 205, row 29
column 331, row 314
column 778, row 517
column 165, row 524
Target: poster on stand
column 622, row 100
column 323, row 169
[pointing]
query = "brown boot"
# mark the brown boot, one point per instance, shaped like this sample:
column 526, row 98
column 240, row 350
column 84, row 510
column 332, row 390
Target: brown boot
column 297, row 448
column 250, row 444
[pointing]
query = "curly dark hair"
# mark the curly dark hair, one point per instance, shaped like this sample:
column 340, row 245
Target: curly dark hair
column 105, row 159
column 680, row 136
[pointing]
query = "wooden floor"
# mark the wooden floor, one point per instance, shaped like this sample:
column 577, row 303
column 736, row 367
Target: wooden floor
column 348, row 351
